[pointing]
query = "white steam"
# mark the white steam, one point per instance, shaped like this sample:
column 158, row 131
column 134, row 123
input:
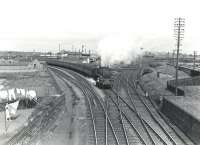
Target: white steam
column 119, row 48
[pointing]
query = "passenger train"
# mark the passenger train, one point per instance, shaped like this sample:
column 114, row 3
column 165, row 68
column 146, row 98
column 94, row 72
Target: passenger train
column 102, row 75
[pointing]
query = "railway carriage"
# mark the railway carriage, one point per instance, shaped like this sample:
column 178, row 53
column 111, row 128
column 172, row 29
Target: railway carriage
column 101, row 75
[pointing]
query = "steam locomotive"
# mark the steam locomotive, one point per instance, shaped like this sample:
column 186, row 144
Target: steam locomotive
column 102, row 75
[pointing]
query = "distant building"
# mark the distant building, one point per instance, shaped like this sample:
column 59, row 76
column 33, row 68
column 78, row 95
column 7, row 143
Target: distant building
column 35, row 64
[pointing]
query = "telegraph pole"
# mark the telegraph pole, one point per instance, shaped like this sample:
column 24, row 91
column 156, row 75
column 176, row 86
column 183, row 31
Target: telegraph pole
column 173, row 58
column 179, row 24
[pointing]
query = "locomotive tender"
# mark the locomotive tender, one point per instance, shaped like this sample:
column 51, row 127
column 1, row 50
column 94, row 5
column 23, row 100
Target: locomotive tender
column 102, row 75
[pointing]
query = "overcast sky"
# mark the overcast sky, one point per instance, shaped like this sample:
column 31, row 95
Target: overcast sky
column 40, row 25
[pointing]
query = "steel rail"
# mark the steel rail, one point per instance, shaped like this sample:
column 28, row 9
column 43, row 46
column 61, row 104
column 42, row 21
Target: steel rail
column 89, row 103
column 190, row 142
column 80, row 79
column 86, row 84
column 135, row 129
column 122, row 124
column 133, row 110
column 137, row 114
column 150, row 112
column 167, row 122
column 27, row 132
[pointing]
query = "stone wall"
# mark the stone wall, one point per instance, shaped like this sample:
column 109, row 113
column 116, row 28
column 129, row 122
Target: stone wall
column 185, row 121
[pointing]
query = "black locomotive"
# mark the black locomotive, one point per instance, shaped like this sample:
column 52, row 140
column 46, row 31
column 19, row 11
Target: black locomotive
column 102, row 75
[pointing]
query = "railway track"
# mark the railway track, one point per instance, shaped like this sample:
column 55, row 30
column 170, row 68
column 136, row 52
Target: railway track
column 102, row 131
column 120, row 125
column 106, row 112
column 123, row 119
column 110, row 124
column 171, row 133
column 133, row 136
column 150, row 124
column 41, row 120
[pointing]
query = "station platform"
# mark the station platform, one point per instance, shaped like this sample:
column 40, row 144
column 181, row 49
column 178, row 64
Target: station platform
column 185, row 113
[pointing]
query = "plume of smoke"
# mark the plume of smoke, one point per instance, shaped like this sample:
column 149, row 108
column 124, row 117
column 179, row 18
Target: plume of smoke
column 119, row 48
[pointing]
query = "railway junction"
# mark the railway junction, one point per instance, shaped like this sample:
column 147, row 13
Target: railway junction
column 123, row 109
